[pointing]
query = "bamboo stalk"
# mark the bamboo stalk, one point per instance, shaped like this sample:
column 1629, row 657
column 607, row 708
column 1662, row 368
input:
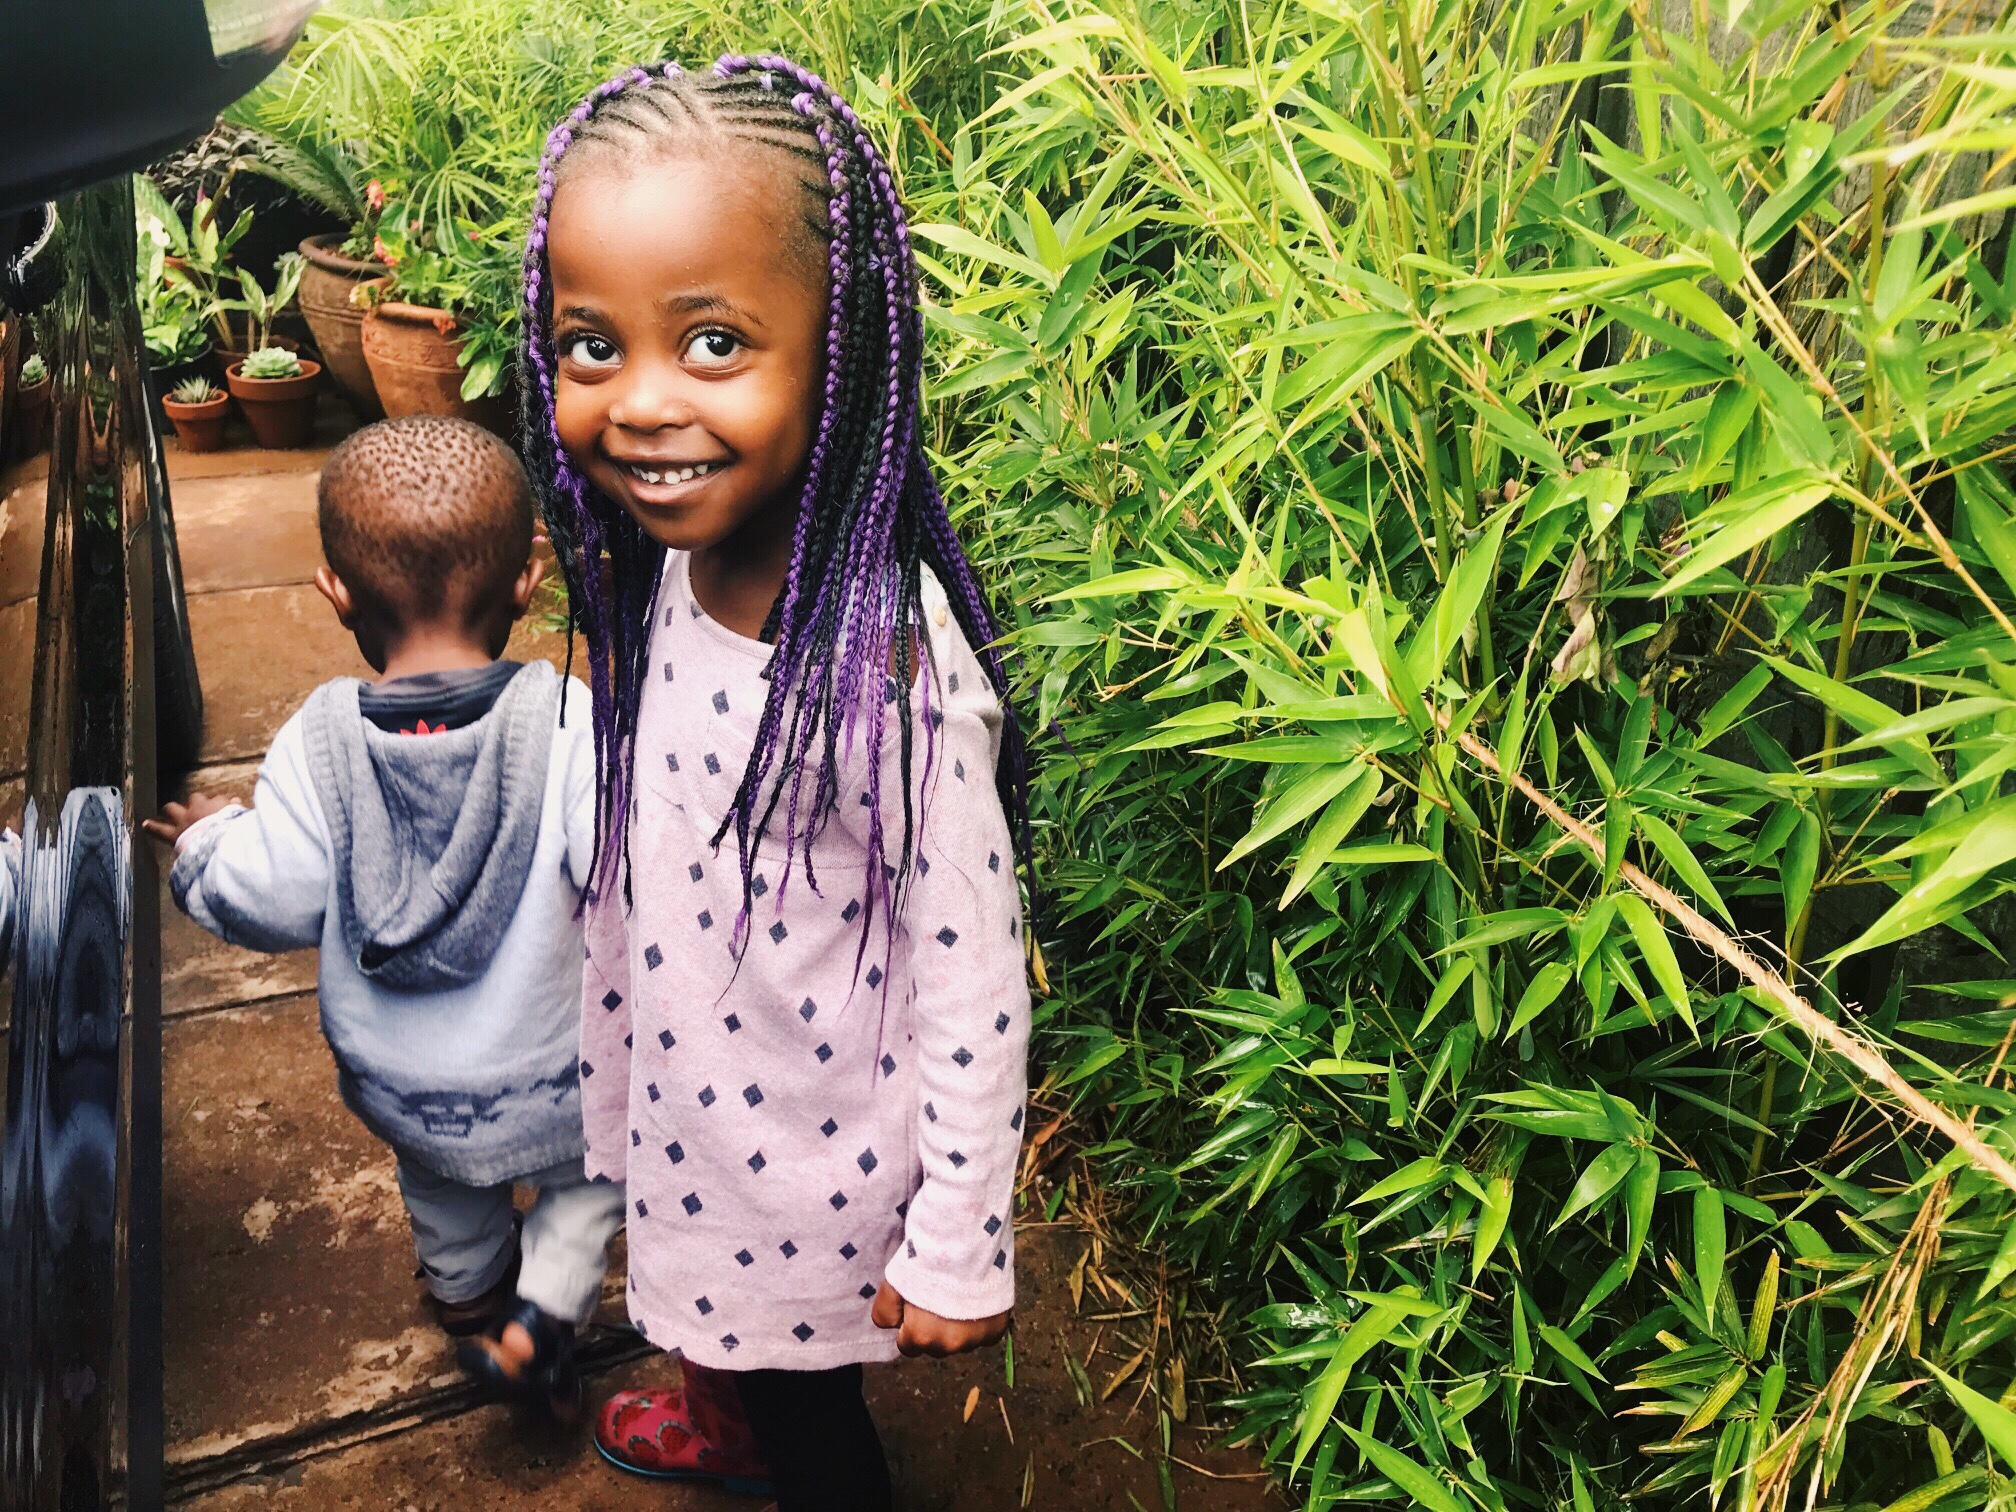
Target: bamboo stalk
column 1845, row 1043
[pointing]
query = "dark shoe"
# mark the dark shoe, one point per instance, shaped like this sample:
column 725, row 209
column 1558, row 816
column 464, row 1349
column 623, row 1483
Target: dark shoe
column 531, row 1362
column 484, row 1314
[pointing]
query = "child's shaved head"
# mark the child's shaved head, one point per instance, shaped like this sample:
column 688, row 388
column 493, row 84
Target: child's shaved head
column 425, row 519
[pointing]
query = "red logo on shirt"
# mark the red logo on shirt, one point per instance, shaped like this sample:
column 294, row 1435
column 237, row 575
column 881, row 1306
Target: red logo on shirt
column 424, row 728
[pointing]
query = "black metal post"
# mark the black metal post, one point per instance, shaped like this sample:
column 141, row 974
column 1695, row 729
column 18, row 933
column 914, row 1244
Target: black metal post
column 80, row 1171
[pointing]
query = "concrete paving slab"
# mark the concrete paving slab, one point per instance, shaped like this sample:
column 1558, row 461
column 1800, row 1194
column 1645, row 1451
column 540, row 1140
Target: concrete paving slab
column 17, row 677
column 248, row 531
column 23, row 509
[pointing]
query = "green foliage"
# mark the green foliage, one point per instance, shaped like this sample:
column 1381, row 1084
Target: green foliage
column 271, row 362
column 196, row 391
column 34, row 371
column 1361, row 400
column 183, row 272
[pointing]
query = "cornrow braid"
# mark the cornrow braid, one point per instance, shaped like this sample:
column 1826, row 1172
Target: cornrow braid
column 870, row 519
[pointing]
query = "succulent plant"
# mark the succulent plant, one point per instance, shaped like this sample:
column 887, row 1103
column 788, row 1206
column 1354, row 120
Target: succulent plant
column 34, row 371
column 271, row 362
column 196, row 391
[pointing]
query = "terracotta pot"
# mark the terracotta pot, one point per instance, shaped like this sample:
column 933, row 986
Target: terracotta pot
column 281, row 411
column 337, row 324
column 412, row 351
column 200, row 427
column 31, row 418
column 161, row 381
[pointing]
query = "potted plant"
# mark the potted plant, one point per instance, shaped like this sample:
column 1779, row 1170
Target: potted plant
column 31, row 406
column 437, row 331
column 276, row 390
column 198, row 409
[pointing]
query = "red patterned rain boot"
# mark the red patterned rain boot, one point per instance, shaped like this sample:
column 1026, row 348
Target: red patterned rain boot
column 692, row 1432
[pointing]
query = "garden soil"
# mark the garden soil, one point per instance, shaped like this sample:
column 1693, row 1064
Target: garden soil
column 302, row 1369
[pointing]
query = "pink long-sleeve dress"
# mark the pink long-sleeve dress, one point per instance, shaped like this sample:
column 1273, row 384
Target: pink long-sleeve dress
column 793, row 1128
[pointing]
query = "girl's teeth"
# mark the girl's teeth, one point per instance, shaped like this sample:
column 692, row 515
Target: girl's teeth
column 673, row 475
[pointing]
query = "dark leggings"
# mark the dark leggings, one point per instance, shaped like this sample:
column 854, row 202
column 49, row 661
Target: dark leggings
column 817, row 1438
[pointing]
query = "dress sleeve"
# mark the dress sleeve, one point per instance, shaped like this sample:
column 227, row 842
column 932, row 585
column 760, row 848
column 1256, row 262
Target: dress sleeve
column 605, row 1038
column 259, row 877
column 963, row 931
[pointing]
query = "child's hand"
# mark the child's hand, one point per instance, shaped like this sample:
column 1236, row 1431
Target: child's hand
column 925, row 1333
column 177, row 817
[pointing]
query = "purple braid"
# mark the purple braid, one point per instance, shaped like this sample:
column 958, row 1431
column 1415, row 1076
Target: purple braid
column 871, row 520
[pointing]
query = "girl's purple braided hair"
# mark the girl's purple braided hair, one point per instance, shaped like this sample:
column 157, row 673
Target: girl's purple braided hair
column 871, row 516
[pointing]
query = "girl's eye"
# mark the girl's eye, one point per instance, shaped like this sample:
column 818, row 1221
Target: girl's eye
column 589, row 351
column 712, row 348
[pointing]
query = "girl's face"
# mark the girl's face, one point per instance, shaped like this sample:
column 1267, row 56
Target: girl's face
column 689, row 335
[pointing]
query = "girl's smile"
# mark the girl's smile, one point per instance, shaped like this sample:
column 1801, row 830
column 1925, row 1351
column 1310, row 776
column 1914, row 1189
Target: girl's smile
column 688, row 327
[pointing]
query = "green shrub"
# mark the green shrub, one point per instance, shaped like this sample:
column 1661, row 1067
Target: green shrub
column 271, row 362
column 34, row 371
column 1368, row 402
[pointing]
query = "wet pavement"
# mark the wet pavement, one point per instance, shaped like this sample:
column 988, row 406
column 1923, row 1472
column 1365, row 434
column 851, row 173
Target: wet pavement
column 302, row 1369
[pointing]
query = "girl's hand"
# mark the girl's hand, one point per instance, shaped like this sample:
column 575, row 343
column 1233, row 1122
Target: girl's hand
column 925, row 1333
column 177, row 817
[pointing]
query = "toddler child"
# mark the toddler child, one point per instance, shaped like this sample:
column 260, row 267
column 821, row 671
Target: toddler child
column 804, row 1050
column 432, row 832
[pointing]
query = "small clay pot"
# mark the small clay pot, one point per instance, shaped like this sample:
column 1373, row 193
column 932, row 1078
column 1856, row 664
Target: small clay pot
column 281, row 411
column 412, row 351
column 200, row 427
column 337, row 321
column 31, row 417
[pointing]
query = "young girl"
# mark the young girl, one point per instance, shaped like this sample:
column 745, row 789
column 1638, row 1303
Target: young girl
column 805, row 1013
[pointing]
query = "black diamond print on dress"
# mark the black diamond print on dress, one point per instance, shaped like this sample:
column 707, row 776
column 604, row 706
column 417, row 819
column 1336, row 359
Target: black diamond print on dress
column 889, row 690
column 888, row 1065
column 867, row 1161
column 959, row 770
column 787, row 1249
column 757, row 1162
column 1016, row 1121
column 806, row 1009
column 930, row 1112
column 586, row 1069
column 652, row 1091
column 937, row 719
column 636, row 1139
column 752, row 1094
column 626, row 1042
column 838, row 1200
column 665, row 1040
column 642, row 1211
column 868, row 1292
column 963, row 1057
column 910, row 1248
column 851, row 912
column 713, row 765
column 848, row 1252
column 778, row 933
column 728, row 1341
column 653, row 957
column 923, row 866
column 1001, row 1259
column 802, row 1332
column 957, row 1159
column 866, row 800
column 952, row 682
column 993, row 1225
column 668, row 671
column 743, row 1257
column 612, row 1000
column 675, row 1152
column 733, row 1021
column 874, row 976
column 706, row 1097
column 671, row 761
column 758, row 886
column 721, row 701
column 829, row 1128
column 696, row 610
column 696, row 871
column 1000, row 1023
column 706, row 919
column 948, row 937
column 825, row 1053
column 704, row 1305
column 1014, row 928
column 994, row 861
column 903, row 1210
column 690, row 1202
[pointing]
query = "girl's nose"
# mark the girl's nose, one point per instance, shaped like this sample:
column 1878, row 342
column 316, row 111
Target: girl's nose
column 652, row 399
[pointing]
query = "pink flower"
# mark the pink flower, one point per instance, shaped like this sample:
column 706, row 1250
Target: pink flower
column 383, row 253
column 374, row 195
